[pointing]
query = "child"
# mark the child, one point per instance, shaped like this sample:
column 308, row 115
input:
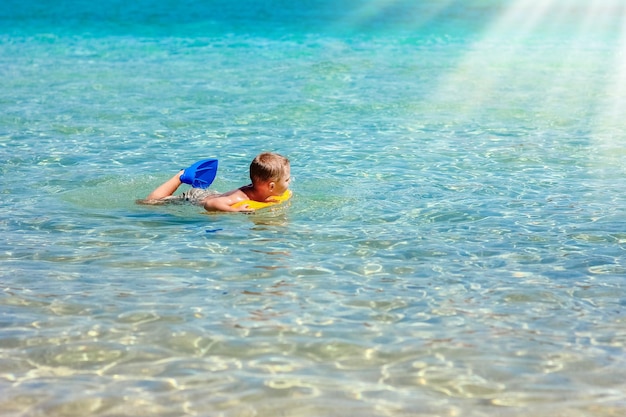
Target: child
column 270, row 175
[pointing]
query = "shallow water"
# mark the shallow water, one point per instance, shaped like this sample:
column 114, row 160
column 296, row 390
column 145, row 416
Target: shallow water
column 456, row 243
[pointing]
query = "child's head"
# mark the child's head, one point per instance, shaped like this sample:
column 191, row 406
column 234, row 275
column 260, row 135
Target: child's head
column 270, row 168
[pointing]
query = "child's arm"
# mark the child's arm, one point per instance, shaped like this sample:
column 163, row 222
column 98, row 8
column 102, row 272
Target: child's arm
column 224, row 203
column 166, row 189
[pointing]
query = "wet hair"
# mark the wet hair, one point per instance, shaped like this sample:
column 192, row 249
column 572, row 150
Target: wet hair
column 268, row 166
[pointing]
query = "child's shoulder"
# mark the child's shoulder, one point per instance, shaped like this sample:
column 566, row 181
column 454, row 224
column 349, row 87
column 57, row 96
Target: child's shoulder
column 235, row 195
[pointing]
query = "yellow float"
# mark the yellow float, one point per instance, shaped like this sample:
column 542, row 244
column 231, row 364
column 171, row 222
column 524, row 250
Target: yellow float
column 257, row 205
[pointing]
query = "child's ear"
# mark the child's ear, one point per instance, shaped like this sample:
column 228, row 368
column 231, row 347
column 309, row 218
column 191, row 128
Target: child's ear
column 272, row 185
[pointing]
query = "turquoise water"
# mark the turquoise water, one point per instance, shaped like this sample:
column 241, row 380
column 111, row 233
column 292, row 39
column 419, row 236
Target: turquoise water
column 456, row 245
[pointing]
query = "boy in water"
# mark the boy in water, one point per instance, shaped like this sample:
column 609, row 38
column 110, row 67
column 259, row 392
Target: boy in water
column 270, row 175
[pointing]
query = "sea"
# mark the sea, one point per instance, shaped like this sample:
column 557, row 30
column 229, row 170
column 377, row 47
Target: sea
column 455, row 245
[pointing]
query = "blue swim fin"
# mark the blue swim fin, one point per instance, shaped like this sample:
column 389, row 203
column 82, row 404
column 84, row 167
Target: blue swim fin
column 201, row 174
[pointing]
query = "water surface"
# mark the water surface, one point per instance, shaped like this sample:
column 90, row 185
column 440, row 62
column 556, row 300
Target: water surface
column 455, row 246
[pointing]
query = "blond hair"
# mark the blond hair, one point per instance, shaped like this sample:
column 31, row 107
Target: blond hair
column 268, row 166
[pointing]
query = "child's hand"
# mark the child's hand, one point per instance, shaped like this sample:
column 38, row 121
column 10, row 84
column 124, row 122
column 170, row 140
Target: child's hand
column 245, row 209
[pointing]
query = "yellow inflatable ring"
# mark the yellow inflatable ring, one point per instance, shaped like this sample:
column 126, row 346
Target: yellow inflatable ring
column 256, row 205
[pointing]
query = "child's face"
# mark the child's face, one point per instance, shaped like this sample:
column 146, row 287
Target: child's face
column 282, row 184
